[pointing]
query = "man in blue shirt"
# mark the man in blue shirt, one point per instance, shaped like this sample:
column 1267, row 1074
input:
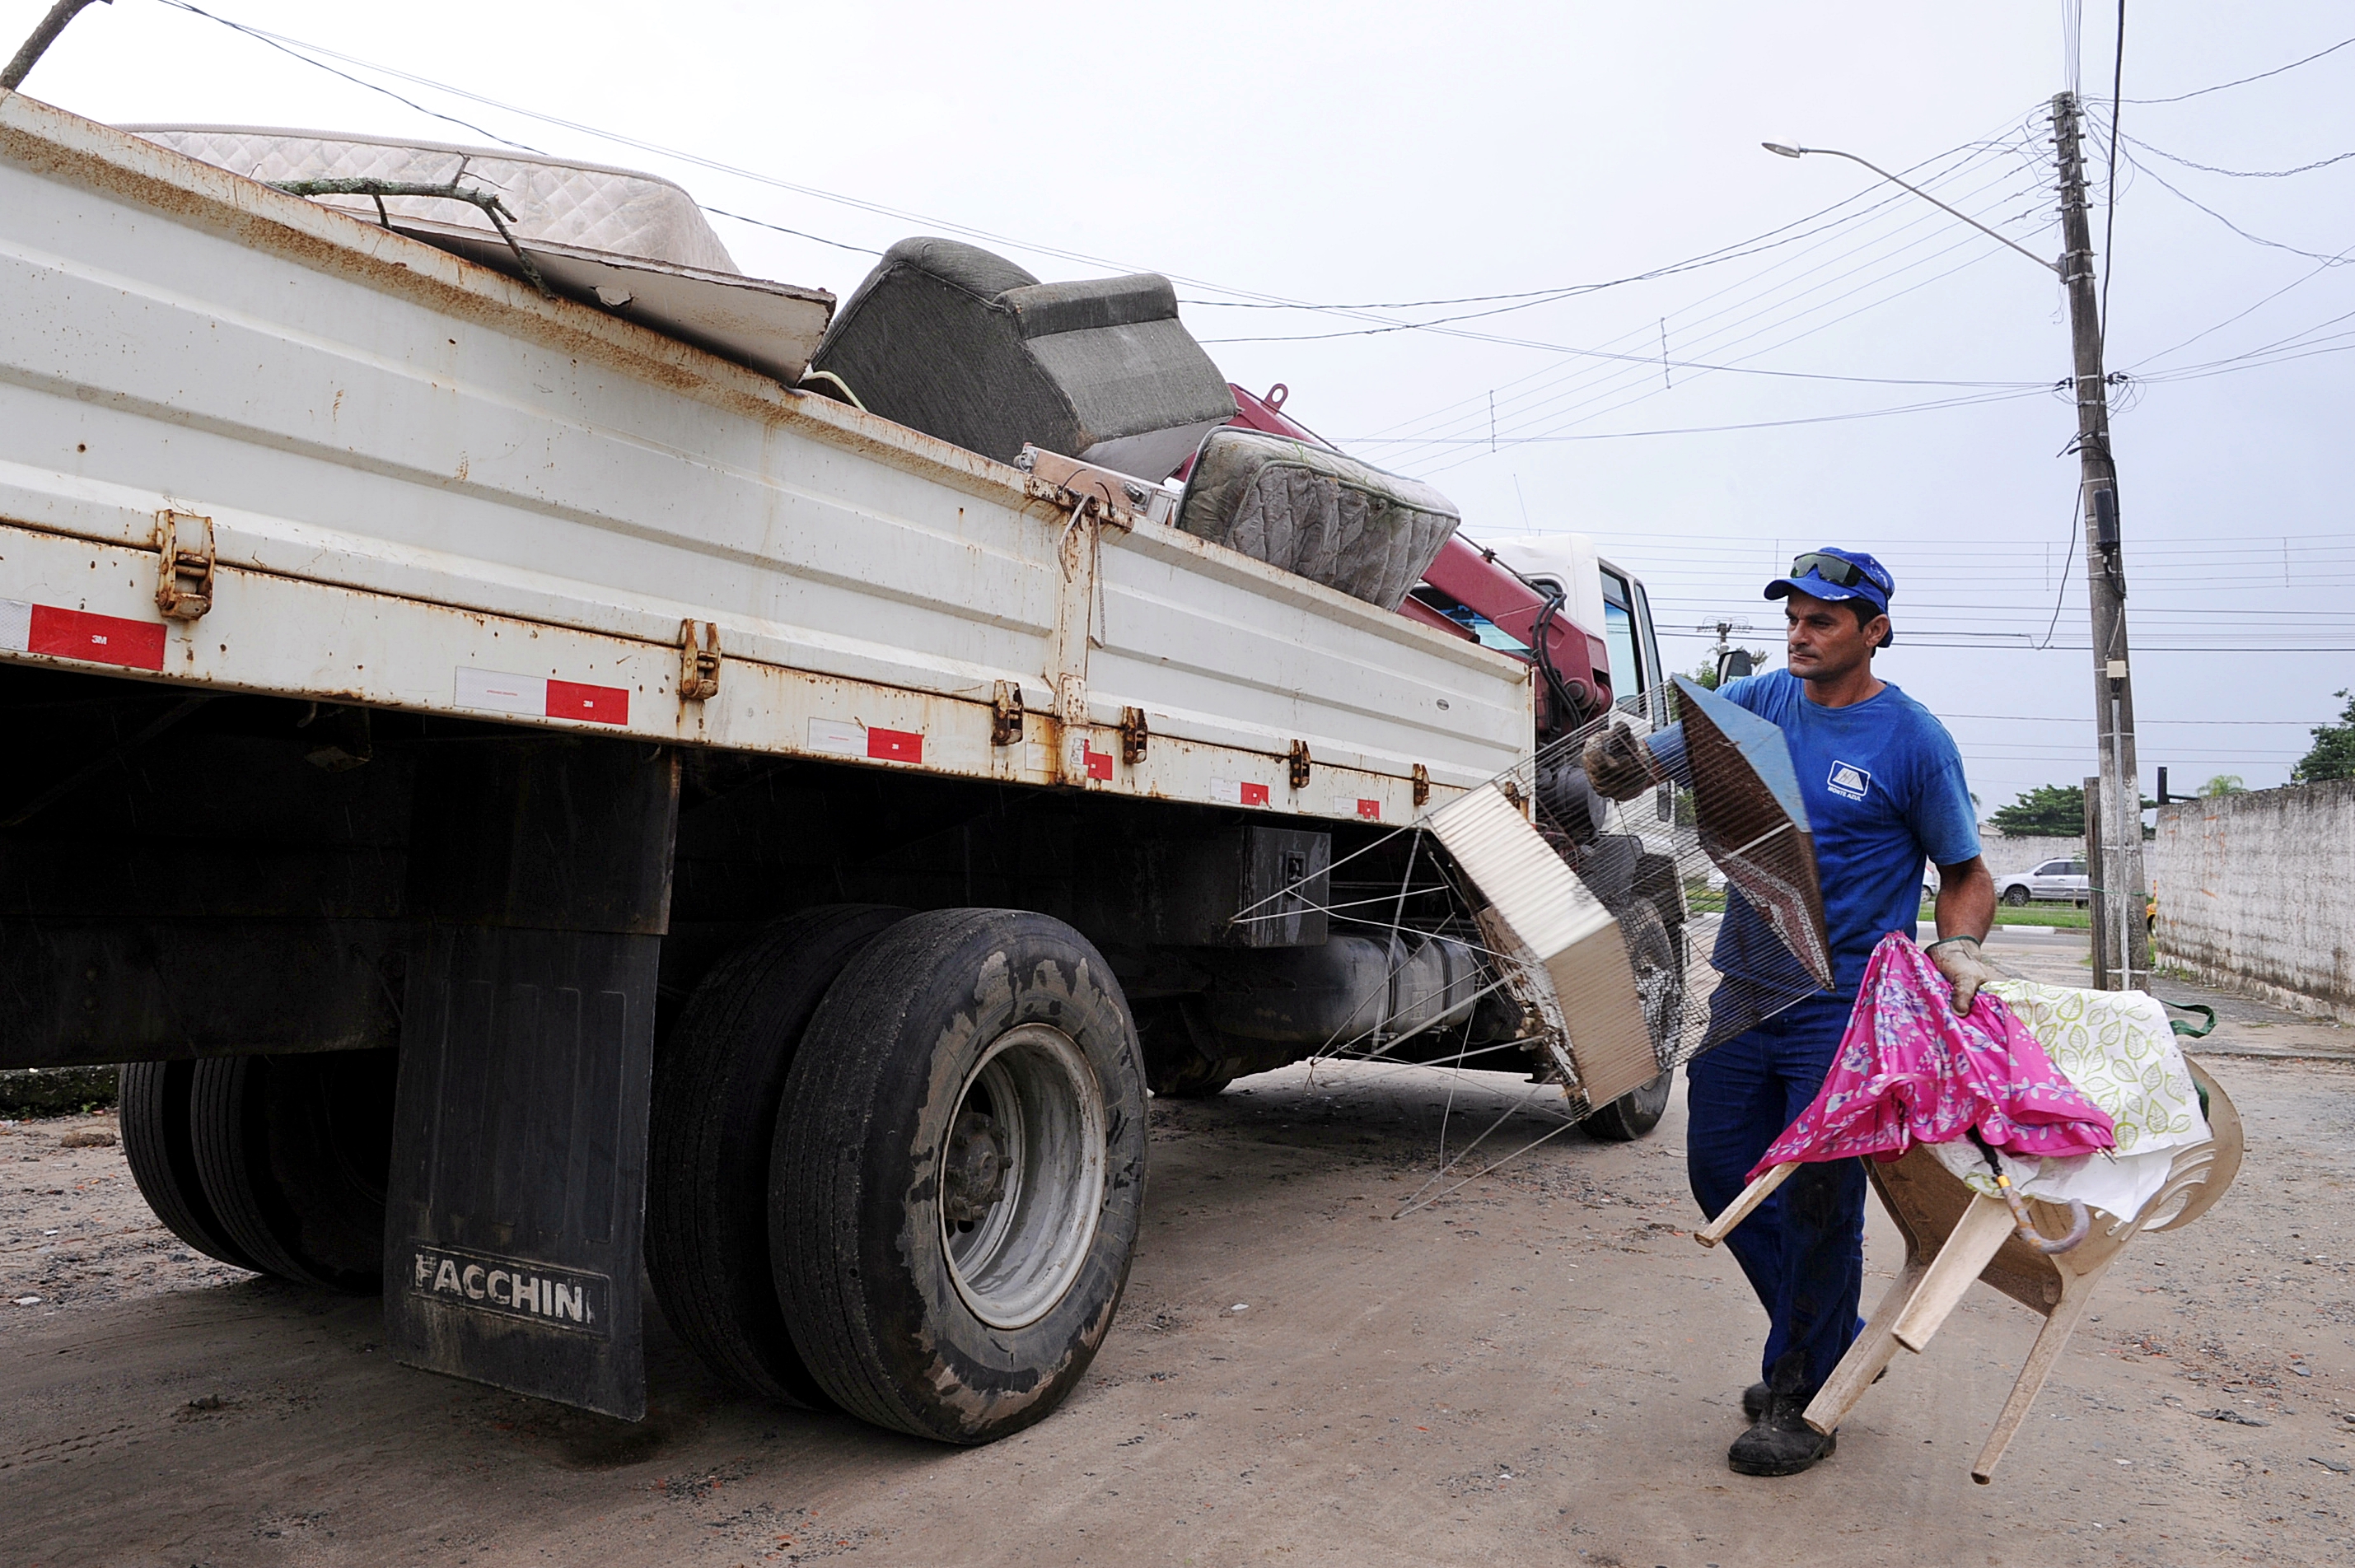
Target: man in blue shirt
column 1884, row 792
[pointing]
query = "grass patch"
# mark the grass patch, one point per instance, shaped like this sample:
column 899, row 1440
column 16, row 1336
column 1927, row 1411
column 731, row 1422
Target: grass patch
column 2065, row 916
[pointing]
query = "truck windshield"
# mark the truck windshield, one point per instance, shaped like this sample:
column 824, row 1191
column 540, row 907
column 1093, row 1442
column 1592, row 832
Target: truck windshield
column 1490, row 634
column 1629, row 677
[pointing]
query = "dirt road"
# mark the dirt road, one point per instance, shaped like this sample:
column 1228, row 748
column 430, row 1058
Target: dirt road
column 1542, row 1368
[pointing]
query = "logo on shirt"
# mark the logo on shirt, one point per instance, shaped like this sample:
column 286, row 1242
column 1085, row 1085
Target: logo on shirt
column 1846, row 779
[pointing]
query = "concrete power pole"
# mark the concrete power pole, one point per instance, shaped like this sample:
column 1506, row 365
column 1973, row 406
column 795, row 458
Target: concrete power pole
column 2121, row 956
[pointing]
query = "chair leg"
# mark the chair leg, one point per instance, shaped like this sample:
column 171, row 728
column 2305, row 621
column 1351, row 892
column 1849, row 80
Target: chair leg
column 1977, row 1238
column 1873, row 1349
column 1748, row 1199
column 2076, row 1292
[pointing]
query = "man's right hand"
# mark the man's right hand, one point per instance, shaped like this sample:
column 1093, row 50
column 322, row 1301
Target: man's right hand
column 1617, row 765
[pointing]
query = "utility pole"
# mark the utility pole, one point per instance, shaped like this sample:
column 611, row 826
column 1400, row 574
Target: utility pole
column 1728, row 656
column 2121, row 956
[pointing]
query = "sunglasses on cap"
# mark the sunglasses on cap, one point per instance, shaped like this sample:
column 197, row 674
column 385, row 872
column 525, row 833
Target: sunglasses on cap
column 1831, row 568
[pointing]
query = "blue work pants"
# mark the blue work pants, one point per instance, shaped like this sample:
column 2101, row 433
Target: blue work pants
column 1802, row 1248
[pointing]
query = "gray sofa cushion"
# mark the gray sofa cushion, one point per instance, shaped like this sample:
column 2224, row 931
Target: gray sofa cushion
column 1309, row 510
column 963, row 344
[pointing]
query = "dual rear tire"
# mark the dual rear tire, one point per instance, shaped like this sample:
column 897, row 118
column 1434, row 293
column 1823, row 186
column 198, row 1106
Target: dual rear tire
column 951, row 1183
column 275, row 1164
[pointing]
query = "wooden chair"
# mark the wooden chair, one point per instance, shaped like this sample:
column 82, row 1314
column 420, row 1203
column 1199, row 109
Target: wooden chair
column 1954, row 1235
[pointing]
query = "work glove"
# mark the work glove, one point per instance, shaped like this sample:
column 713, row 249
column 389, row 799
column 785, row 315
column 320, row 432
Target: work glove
column 1966, row 968
column 1618, row 766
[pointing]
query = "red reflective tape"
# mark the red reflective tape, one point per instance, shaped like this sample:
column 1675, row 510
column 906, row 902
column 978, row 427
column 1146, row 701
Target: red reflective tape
column 598, row 705
column 99, row 638
column 895, row 745
column 1370, row 809
column 1098, row 762
column 1254, row 794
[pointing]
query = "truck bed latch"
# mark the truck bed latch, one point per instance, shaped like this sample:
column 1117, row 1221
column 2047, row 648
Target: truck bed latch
column 1133, row 735
column 699, row 660
column 1006, row 714
column 183, row 583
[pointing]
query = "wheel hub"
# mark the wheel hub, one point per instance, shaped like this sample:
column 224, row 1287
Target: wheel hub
column 974, row 1179
column 1023, row 1175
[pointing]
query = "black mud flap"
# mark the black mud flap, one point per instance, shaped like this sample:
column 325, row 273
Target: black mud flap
column 517, row 1197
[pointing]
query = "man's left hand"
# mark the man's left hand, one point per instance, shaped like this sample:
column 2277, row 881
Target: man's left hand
column 1966, row 968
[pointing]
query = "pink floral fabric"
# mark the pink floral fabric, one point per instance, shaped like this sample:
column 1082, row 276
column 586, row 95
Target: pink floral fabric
column 1910, row 1070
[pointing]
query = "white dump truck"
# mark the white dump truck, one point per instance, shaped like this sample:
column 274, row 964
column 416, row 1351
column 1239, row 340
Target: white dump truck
column 539, row 751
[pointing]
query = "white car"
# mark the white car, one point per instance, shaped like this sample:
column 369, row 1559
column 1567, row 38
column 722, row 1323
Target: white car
column 2055, row 879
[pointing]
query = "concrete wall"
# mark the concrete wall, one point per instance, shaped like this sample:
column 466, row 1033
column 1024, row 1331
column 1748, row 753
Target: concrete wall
column 2006, row 854
column 2258, row 891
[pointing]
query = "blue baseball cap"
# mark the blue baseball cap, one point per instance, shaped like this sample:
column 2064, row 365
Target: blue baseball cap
column 1838, row 574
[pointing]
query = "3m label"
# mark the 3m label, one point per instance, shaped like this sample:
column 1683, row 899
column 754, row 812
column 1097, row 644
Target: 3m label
column 1098, row 762
column 1371, row 810
column 58, row 633
column 1846, row 779
column 1238, row 792
column 872, row 742
column 513, row 1287
column 537, row 696
column 894, row 745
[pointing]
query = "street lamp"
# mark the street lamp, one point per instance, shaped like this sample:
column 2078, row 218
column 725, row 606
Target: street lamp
column 2118, row 896
column 1781, row 151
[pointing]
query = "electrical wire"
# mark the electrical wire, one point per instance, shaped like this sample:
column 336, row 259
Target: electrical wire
column 2140, row 167
column 2242, row 173
column 2110, row 187
column 2243, row 82
column 1820, row 278
column 2076, row 507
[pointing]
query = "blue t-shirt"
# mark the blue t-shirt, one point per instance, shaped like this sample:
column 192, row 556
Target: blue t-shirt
column 1883, row 785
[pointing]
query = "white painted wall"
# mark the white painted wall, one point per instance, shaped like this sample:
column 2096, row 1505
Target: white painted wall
column 2258, row 891
column 2005, row 854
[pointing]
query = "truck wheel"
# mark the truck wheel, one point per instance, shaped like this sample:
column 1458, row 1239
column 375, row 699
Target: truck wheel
column 2015, row 895
column 718, row 1081
column 1176, row 1066
column 958, row 1174
column 163, row 1159
column 1633, row 1113
column 293, row 1153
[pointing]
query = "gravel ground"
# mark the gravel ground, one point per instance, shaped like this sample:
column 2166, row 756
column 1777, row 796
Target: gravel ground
column 1539, row 1367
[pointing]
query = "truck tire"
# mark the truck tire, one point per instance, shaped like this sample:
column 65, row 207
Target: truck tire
column 1176, row 1067
column 163, row 1159
column 293, row 1153
column 959, row 1172
column 718, row 1082
column 1633, row 1113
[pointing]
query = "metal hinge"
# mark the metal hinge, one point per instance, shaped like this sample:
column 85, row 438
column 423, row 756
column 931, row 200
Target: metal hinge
column 699, row 660
column 1422, row 785
column 1006, row 714
column 184, row 582
column 1300, row 765
column 1133, row 735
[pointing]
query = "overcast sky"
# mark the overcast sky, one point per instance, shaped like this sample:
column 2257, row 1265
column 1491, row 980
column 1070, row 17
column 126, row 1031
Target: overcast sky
column 1375, row 155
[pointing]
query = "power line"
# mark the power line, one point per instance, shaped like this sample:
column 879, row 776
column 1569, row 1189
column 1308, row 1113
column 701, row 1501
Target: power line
column 2243, row 82
column 2110, row 185
column 1969, row 152
column 2142, row 167
column 2242, row 173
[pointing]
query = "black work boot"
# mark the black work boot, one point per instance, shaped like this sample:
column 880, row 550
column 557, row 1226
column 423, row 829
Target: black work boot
column 1781, row 1443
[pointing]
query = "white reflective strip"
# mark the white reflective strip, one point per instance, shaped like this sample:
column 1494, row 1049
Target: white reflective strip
column 492, row 691
column 841, row 739
column 16, row 625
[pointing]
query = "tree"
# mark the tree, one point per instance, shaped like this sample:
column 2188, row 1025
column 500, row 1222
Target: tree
column 2222, row 785
column 2047, row 812
column 2333, row 756
column 1706, row 673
